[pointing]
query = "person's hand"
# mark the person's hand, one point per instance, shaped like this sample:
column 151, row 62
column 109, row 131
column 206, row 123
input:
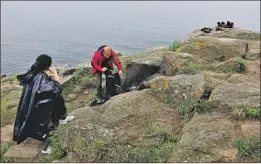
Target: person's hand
column 120, row 72
column 104, row 69
column 53, row 70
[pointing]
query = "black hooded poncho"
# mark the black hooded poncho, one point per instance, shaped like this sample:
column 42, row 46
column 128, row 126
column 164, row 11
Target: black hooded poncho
column 40, row 108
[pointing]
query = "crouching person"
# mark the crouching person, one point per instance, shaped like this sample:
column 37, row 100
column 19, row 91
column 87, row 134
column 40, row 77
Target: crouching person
column 41, row 108
column 102, row 62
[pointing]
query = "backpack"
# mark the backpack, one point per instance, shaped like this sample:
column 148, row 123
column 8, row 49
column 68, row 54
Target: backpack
column 113, row 84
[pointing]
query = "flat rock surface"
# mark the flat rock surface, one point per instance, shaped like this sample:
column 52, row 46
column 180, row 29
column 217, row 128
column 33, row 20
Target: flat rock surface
column 25, row 151
column 7, row 133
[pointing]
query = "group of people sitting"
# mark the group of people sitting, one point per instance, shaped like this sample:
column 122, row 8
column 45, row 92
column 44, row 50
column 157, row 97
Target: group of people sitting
column 220, row 26
column 227, row 25
column 41, row 108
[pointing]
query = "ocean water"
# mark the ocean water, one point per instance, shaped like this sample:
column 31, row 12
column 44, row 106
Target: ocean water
column 70, row 31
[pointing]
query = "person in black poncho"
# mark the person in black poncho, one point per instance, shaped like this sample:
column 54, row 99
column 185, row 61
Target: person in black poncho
column 41, row 108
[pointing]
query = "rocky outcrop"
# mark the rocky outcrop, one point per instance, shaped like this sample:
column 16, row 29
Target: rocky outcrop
column 138, row 72
column 176, row 89
column 248, row 43
column 234, row 33
column 174, row 62
column 214, row 49
column 128, row 122
column 66, row 70
column 141, row 67
column 202, row 137
column 234, row 95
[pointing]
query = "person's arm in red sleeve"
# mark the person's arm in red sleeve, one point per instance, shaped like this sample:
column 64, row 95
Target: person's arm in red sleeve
column 116, row 61
column 95, row 61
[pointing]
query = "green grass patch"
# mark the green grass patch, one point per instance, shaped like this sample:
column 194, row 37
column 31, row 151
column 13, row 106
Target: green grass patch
column 187, row 107
column 6, row 160
column 190, row 68
column 81, row 101
column 101, row 149
column 174, row 46
column 249, row 147
column 9, row 103
column 10, row 79
column 227, row 69
column 164, row 134
column 82, row 79
column 243, row 112
column 239, row 67
column 253, row 113
column 249, row 35
column 4, row 147
column 190, row 106
column 57, row 151
column 122, row 153
column 238, row 114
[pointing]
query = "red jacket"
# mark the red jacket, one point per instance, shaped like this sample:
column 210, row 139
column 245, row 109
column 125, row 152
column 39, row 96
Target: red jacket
column 97, row 60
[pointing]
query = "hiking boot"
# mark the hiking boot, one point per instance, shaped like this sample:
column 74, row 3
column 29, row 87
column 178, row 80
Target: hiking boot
column 66, row 120
column 99, row 100
column 47, row 151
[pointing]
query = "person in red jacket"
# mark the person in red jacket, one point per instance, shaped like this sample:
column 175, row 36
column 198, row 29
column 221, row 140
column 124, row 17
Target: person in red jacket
column 102, row 61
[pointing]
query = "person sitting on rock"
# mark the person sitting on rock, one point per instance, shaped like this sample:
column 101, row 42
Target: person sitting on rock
column 220, row 26
column 229, row 24
column 102, row 61
column 41, row 107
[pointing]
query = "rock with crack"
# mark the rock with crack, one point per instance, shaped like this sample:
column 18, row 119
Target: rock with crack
column 253, row 80
column 234, row 95
column 202, row 139
column 213, row 79
column 251, row 76
column 232, row 65
column 252, row 50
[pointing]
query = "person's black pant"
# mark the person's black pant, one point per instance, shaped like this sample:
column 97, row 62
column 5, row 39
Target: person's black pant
column 60, row 111
column 98, row 81
column 47, row 141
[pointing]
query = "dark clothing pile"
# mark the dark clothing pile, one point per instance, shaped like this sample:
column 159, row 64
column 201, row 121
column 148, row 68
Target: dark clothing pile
column 40, row 108
column 206, row 29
